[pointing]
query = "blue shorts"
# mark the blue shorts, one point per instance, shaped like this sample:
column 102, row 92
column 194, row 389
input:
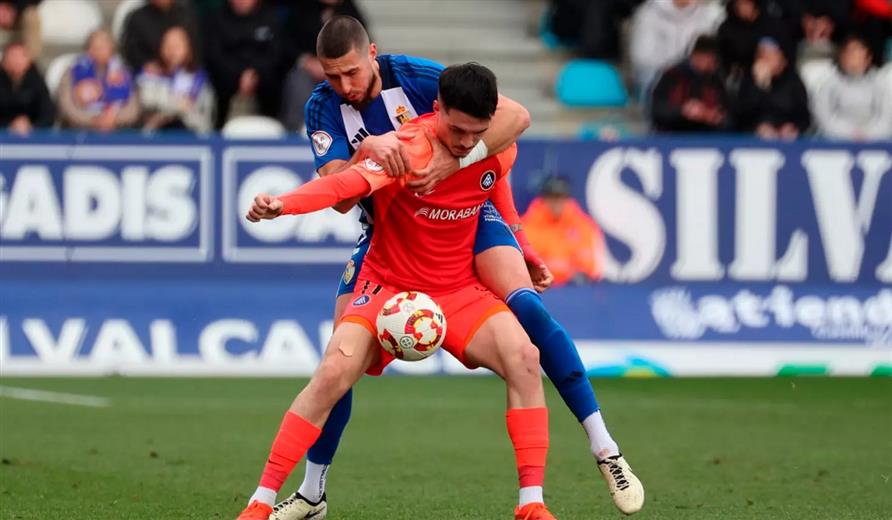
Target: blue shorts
column 492, row 231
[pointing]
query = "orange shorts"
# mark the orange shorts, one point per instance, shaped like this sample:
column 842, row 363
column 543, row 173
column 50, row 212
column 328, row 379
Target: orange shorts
column 465, row 309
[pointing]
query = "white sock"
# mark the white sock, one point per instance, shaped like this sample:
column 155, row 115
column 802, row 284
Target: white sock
column 602, row 444
column 265, row 495
column 529, row 495
column 313, row 485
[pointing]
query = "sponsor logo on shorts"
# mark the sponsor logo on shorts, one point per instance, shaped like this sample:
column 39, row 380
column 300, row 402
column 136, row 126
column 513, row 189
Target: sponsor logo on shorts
column 448, row 214
column 321, row 142
column 488, row 180
column 362, row 300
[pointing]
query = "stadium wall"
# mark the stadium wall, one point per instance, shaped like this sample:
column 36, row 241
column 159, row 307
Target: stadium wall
column 123, row 255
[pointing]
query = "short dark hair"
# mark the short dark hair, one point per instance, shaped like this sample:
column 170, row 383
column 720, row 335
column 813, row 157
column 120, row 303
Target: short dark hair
column 471, row 88
column 706, row 44
column 339, row 36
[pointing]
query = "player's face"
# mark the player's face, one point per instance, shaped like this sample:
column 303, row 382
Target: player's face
column 354, row 76
column 459, row 131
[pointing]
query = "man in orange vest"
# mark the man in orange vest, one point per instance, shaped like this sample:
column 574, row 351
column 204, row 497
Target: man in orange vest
column 564, row 235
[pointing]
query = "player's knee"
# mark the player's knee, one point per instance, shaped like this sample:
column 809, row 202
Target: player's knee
column 333, row 377
column 523, row 360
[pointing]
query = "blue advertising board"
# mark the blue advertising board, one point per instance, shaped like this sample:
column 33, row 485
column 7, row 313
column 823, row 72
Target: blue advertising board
column 724, row 256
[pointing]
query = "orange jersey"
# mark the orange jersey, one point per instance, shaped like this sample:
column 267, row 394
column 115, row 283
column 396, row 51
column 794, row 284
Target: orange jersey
column 426, row 242
column 423, row 243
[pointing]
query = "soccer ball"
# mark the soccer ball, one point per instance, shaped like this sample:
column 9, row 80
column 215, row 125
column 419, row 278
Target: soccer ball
column 411, row 326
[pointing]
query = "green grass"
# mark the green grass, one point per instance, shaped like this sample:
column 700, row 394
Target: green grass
column 431, row 448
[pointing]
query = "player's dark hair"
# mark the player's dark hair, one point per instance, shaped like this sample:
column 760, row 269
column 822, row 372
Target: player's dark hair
column 471, row 88
column 706, row 44
column 339, row 36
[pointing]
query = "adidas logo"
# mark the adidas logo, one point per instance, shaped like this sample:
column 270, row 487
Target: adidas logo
column 358, row 138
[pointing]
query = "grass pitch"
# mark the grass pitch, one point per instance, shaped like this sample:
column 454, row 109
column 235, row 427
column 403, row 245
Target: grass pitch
column 436, row 448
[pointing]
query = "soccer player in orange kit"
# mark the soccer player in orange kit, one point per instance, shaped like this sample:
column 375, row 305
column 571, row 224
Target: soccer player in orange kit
column 481, row 330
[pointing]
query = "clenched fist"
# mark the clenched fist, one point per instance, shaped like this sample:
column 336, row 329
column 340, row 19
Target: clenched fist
column 264, row 207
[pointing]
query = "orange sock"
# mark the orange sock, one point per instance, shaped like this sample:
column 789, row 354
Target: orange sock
column 528, row 429
column 295, row 437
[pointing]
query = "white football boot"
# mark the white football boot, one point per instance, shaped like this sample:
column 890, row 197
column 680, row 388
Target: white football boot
column 624, row 486
column 296, row 507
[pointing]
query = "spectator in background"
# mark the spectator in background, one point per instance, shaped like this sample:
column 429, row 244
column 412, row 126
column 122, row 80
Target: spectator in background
column 772, row 101
column 825, row 21
column 174, row 92
column 25, row 102
column 304, row 23
column 592, row 27
column 145, row 26
column 244, row 57
column 20, row 17
column 570, row 243
column 691, row 96
column 855, row 101
column 663, row 30
column 97, row 92
column 747, row 22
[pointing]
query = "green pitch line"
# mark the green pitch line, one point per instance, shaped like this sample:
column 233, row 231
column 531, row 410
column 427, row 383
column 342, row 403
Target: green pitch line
column 431, row 448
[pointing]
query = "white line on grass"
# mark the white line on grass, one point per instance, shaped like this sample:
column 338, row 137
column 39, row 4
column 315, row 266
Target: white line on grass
column 28, row 394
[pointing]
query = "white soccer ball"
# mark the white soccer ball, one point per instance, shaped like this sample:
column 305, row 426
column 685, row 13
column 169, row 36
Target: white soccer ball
column 411, row 326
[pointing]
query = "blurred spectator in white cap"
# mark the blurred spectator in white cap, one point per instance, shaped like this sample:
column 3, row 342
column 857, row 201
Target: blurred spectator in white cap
column 25, row 102
column 772, row 101
column 663, row 31
column 570, row 243
column 854, row 102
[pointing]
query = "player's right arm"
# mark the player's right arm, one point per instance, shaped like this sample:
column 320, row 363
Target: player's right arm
column 359, row 180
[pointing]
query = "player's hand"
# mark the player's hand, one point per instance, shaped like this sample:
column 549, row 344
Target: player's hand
column 264, row 207
column 541, row 276
column 386, row 150
column 442, row 165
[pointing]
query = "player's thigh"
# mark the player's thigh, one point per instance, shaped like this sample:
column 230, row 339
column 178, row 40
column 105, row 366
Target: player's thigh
column 341, row 303
column 501, row 345
column 502, row 270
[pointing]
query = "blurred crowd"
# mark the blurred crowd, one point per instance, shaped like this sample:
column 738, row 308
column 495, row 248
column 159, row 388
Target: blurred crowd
column 774, row 68
column 184, row 65
column 707, row 66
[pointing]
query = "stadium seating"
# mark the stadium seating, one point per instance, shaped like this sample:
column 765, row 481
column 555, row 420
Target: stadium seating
column 590, row 83
column 57, row 69
column 121, row 12
column 68, row 22
column 253, row 127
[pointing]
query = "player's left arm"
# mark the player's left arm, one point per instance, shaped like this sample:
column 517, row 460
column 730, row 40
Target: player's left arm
column 503, row 199
column 508, row 123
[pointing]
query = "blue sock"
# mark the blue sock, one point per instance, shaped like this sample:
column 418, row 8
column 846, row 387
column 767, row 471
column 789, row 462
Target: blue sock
column 323, row 451
column 557, row 353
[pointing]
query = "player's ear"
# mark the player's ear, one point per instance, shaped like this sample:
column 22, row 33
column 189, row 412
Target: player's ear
column 373, row 51
column 436, row 105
